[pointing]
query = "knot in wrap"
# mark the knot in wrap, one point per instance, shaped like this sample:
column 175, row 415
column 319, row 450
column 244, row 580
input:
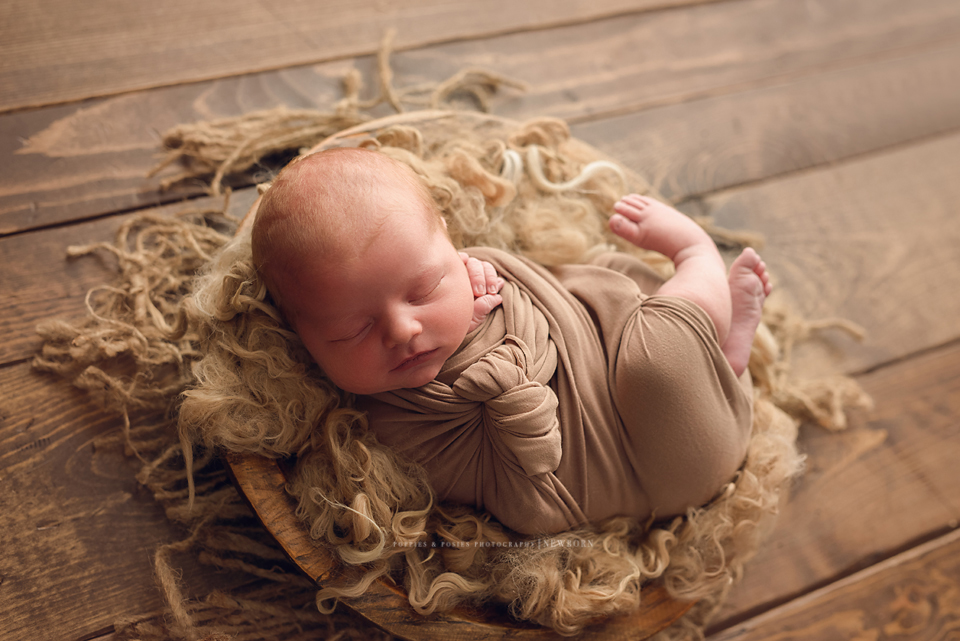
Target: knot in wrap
column 519, row 414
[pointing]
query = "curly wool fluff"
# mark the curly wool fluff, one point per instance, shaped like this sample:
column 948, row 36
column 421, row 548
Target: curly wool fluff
column 257, row 391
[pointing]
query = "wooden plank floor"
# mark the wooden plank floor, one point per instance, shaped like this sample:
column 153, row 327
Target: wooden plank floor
column 832, row 126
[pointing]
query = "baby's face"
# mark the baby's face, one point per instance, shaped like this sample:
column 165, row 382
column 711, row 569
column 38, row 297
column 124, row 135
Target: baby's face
column 389, row 318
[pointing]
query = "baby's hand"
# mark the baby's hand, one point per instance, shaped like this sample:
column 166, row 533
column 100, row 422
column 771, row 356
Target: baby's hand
column 486, row 283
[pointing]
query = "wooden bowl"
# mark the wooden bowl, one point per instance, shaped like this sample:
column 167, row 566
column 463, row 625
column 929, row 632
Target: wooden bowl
column 262, row 482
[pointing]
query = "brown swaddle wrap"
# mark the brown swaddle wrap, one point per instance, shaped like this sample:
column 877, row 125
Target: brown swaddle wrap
column 536, row 417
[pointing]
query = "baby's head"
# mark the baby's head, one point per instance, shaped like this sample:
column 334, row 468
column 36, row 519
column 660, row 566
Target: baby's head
column 355, row 253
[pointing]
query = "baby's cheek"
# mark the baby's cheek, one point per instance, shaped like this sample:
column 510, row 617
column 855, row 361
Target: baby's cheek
column 330, row 362
column 312, row 348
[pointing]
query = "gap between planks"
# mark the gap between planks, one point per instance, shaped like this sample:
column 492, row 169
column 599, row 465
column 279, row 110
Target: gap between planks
column 870, row 492
column 220, row 42
column 935, row 375
column 89, row 159
column 862, row 595
column 865, row 208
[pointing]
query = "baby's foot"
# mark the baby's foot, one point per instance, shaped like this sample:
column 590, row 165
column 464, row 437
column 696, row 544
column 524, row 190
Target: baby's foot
column 650, row 224
column 749, row 287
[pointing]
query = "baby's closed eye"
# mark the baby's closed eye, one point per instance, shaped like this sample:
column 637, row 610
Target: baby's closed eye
column 423, row 294
column 353, row 334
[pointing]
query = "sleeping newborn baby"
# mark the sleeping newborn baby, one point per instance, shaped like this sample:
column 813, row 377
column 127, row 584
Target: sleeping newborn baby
column 549, row 398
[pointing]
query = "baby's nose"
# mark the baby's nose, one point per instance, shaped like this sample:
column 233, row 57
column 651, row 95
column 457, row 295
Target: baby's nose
column 403, row 328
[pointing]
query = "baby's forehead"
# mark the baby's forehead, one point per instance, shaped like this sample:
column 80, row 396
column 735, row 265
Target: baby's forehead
column 356, row 168
column 335, row 195
column 333, row 203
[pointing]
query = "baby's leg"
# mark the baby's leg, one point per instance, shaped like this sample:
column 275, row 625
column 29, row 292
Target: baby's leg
column 686, row 416
column 701, row 275
column 749, row 287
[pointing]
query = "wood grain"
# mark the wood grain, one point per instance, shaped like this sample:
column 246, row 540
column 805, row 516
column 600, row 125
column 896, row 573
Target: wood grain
column 899, row 463
column 867, row 240
column 830, row 125
column 78, row 533
column 70, row 162
column 875, row 240
column 868, row 492
column 57, row 51
column 38, row 282
column 914, row 595
column 705, row 145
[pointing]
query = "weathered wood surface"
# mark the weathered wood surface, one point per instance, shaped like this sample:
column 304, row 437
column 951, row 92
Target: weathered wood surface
column 78, row 533
column 796, row 538
column 68, row 162
column 914, row 595
column 38, row 282
column 828, row 125
column 875, row 240
column 888, row 481
column 848, row 241
column 57, row 50
column 713, row 143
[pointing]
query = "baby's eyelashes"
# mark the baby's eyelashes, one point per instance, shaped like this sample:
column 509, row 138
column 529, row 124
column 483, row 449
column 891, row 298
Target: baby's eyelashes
column 351, row 335
column 424, row 294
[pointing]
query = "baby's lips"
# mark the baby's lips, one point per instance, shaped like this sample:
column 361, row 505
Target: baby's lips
column 406, row 361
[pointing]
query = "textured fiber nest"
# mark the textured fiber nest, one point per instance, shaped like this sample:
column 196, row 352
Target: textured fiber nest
column 246, row 384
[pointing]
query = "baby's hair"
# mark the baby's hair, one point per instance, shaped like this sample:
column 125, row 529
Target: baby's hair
column 315, row 207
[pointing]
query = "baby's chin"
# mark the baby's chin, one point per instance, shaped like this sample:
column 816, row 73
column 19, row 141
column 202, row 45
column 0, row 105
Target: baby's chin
column 422, row 377
column 391, row 382
column 413, row 380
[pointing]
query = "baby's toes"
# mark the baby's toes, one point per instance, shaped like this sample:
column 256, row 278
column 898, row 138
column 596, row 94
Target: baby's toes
column 626, row 228
column 637, row 201
column 628, row 209
column 748, row 261
column 761, row 271
column 760, row 268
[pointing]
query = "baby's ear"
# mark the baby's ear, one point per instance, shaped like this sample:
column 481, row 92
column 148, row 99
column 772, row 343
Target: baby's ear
column 444, row 221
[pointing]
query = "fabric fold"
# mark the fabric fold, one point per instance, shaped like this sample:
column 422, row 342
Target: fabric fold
column 519, row 414
column 526, row 419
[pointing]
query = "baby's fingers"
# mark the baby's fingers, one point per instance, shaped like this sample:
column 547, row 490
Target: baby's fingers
column 482, row 307
column 478, row 279
column 483, row 276
column 494, row 282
